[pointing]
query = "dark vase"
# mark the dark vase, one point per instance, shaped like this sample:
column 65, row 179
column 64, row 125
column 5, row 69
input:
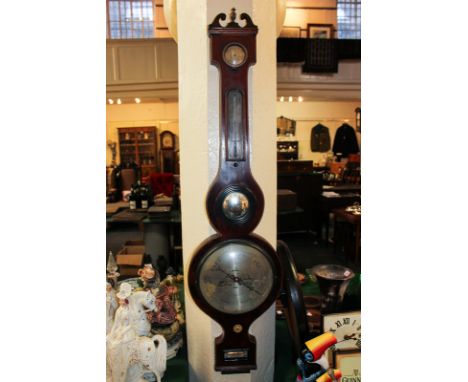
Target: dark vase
column 333, row 280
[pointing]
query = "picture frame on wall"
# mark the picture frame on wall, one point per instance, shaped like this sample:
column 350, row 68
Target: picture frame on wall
column 323, row 31
column 349, row 362
column 290, row 32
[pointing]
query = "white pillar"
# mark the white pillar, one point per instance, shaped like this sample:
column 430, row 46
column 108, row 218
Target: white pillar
column 199, row 128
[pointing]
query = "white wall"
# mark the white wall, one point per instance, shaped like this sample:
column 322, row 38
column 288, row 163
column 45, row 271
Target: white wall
column 308, row 114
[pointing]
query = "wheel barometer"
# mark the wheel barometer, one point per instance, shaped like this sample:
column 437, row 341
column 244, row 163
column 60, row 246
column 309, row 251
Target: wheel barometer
column 234, row 275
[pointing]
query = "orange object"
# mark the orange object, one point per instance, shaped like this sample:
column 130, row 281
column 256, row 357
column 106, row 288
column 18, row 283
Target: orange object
column 326, row 378
column 337, row 168
column 318, row 345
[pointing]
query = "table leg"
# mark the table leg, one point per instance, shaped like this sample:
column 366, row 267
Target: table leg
column 357, row 256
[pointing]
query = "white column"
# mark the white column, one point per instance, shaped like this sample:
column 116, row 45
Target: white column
column 199, row 128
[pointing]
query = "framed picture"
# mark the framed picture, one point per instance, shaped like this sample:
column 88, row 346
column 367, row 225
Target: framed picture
column 290, row 32
column 320, row 31
column 349, row 362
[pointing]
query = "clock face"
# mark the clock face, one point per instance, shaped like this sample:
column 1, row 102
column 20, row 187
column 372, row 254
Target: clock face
column 234, row 55
column 167, row 141
column 344, row 326
column 236, row 277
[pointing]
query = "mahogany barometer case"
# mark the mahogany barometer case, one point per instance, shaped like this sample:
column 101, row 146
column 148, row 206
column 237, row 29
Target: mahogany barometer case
column 234, row 275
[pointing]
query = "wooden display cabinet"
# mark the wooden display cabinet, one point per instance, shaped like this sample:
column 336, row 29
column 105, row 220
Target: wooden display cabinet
column 139, row 145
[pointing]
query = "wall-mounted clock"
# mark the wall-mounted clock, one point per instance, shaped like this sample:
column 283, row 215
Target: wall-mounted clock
column 234, row 276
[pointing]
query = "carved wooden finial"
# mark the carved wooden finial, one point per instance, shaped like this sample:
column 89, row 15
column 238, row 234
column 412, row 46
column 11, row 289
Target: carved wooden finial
column 232, row 23
column 233, row 15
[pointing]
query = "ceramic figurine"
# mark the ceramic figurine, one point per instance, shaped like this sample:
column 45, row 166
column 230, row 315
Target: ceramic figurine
column 111, row 306
column 131, row 354
column 171, row 282
column 169, row 317
column 165, row 314
column 149, row 277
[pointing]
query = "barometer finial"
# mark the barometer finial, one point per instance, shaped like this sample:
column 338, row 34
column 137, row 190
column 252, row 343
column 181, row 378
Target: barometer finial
column 233, row 15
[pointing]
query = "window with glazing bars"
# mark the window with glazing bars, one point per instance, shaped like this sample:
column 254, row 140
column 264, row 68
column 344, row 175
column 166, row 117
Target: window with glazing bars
column 349, row 19
column 130, row 19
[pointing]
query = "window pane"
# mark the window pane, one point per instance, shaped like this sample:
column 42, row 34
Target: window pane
column 349, row 19
column 130, row 18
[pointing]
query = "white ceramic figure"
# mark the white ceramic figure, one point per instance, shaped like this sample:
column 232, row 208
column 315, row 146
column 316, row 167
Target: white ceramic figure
column 111, row 306
column 139, row 303
column 130, row 352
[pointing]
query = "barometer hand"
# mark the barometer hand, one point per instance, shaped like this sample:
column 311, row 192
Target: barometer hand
column 236, row 279
column 242, row 282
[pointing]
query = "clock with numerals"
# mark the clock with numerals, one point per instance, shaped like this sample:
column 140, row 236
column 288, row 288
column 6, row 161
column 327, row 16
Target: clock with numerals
column 346, row 327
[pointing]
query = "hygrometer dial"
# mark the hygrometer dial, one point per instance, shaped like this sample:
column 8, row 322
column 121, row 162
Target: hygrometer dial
column 234, row 55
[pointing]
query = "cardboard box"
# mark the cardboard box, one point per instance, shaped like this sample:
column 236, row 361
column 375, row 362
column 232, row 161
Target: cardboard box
column 133, row 243
column 130, row 258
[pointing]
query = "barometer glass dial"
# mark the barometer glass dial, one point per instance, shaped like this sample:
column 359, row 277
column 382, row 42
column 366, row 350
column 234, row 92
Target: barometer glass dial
column 236, row 277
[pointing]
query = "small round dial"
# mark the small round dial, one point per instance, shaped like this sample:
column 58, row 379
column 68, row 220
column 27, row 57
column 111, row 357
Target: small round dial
column 235, row 205
column 235, row 277
column 234, row 55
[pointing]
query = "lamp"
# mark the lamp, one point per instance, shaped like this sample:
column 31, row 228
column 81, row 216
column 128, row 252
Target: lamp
column 358, row 119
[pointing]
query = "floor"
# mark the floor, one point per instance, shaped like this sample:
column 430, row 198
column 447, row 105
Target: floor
column 307, row 251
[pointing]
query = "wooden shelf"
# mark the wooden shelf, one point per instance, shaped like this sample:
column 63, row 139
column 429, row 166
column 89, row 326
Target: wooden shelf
column 135, row 147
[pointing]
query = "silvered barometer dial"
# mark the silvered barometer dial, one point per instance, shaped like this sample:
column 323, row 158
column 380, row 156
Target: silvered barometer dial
column 236, row 278
column 234, row 55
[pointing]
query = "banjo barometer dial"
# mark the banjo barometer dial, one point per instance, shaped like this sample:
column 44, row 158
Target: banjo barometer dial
column 234, row 276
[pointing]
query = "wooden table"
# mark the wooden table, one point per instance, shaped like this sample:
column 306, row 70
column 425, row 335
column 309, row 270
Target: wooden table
column 329, row 204
column 352, row 250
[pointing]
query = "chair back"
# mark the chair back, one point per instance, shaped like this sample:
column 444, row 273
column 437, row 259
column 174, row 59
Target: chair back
column 128, row 177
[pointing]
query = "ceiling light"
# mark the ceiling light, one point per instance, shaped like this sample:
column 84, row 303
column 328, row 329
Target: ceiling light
column 111, row 101
column 300, row 99
column 137, row 100
column 281, row 99
column 290, row 99
column 119, row 101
